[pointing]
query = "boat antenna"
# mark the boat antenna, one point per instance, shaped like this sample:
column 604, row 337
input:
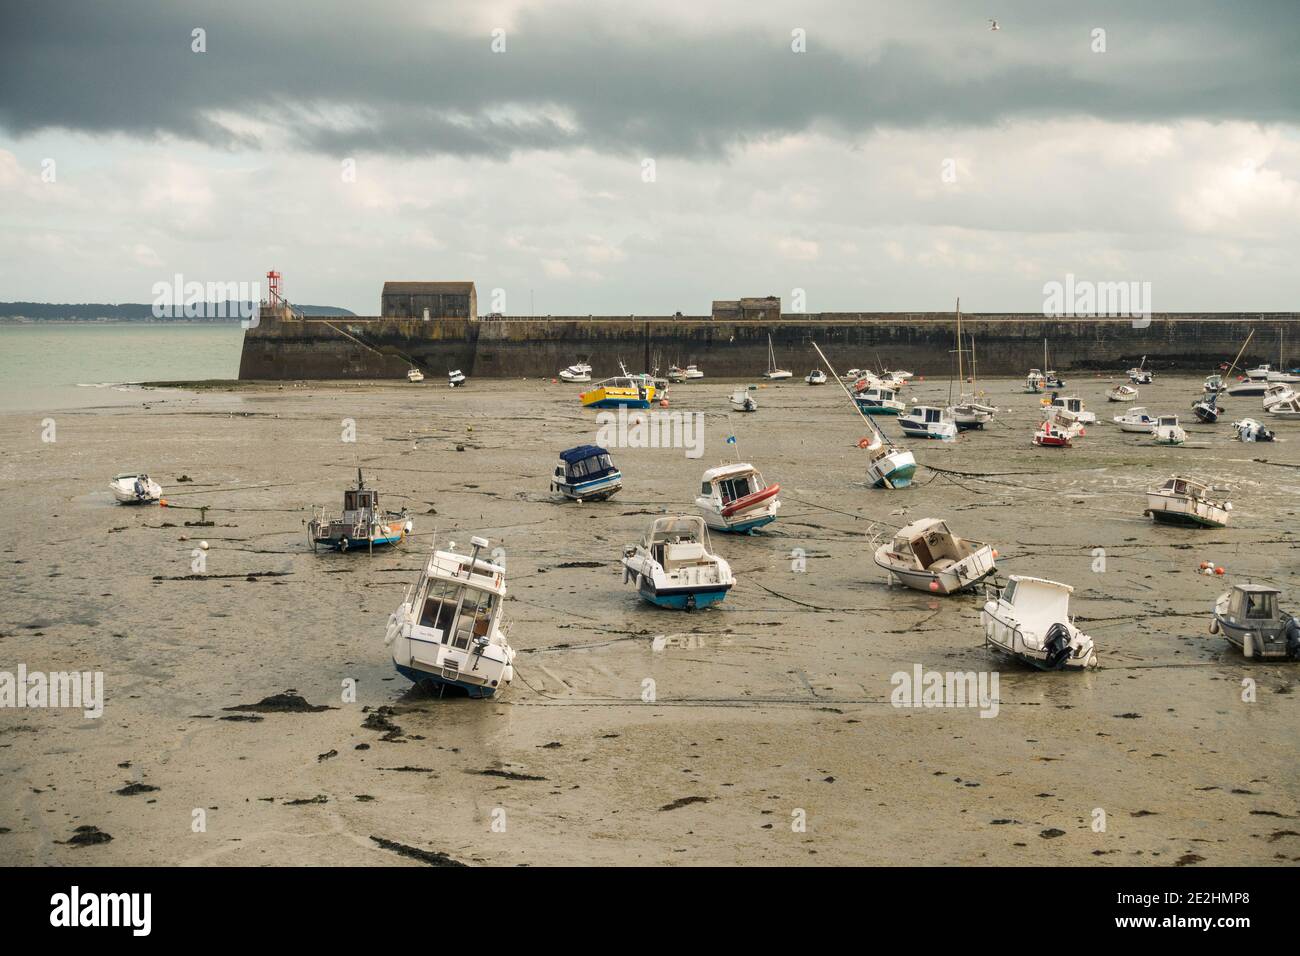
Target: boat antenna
column 865, row 417
column 360, row 482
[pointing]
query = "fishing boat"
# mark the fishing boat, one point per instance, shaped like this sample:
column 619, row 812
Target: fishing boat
column 1214, row 385
column 773, row 372
column 586, row 473
column 674, row 567
column 447, row 632
column 1140, row 375
column 621, row 390
column 455, row 378
column 895, row 378
column 879, row 400
column 688, row 374
column 1122, row 393
column 580, row 372
column 135, row 489
column 1251, row 619
column 743, row 401
column 1167, row 431
column 888, row 465
column 1030, row 620
column 928, row 421
column 1135, row 419
column 1276, row 393
column 414, row 375
column 1069, row 409
column 1250, row 430
column 1287, row 409
column 926, row 556
column 361, row 526
column 1035, row 381
column 815, row 377
column 967, row 412
column 735, row 498
column 1207, row 409
column 1187, row 501
column 1052, row 434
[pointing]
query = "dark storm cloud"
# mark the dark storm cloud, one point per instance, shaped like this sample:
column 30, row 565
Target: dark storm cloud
column 357, row 77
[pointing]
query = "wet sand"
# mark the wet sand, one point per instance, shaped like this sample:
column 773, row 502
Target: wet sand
column 773, row 703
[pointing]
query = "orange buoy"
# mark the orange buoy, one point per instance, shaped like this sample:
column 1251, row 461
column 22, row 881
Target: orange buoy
column 934, row 585
column 1220, row 570
column 864, row 443
column 663, row 403
column 162, row 502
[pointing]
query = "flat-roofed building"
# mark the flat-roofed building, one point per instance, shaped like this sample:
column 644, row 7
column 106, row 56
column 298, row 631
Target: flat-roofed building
column 443, row 300
column 750, row 308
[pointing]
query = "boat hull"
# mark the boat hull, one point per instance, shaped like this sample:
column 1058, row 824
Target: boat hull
column 948, row 581
column 441, row 683
column 384, row 540
column 599, row 489
column 684, row 599
column 896, row 473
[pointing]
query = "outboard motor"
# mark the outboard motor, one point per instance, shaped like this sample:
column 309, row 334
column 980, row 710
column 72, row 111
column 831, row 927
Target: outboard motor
column 1293, row 640
column 1057, row 646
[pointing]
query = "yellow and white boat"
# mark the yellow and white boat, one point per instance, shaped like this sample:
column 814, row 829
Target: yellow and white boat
column 622, row 390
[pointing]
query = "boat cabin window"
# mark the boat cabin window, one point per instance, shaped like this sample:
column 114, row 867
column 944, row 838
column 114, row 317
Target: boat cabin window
column 475, row 617
column 360, row 500
column 559, row 470
column 1009, row 592
column 733, row 488
column 1259, row 606
column 706, row 488
column 440, row 606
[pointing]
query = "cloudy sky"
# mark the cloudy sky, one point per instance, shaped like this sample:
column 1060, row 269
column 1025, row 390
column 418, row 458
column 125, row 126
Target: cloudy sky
column 651, row 156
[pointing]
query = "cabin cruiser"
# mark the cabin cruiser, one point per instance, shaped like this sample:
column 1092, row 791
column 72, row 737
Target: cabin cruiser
column 581, row 372
column 743, row 401
column 1135, row 419
column 1122, row 393
column 414, row 375
column 673, row 565
column 1292, row 377
column 1168, row 431
column 455, row 378
column 622, row 390
column 362, row 525
column 586, row 473
column 969, row 414
column 895, row 379
column 1035, row 382
column 1286, row 409
column 1248, row 388
column 879, row 400
column 1030, row 619
column 1187, row 501
column 1259, row 373
column 1250, row 619
column 1276, row 393
column 815, row 377
column 1052, row 380
column 928, row 421
column 1214, row 385
column 447, row 632
column 1053, row 434
column 736, row 498
column 133, row 489
column 1208, row 409
column 926, row 556
column 689, row 373
column 889, row 466
column 1250, row 430
column 1068, row 409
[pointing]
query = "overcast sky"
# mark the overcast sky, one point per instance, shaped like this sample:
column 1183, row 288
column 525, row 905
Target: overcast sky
column 909, row 155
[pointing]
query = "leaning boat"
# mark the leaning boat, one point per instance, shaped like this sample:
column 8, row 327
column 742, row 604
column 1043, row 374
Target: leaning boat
column 879, row 400
column 1122, row 393
column 1287, row 409
column 447, row 632
column 736, row 498
column 361, row 526
column 414, row 375
column 888, row 465
column 1141, row 375
column 135, row 489
column 1135, row 419
column 928, row 421
column 1250, row 430
column 1186, row 501
column 1207, row 409
column 673, row 567
column 1276, row 393
column 586, row 473
column 1030, row 619
column 1250, row 619
column 926, row 556
column 455, row 378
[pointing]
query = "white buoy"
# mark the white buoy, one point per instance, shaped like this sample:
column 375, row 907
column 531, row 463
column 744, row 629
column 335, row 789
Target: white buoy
column 203, row 545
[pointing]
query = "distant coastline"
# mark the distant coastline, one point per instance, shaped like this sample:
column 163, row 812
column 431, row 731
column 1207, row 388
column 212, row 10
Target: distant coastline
column 209, row 313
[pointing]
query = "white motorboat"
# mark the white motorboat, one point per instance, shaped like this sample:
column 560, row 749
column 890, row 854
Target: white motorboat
column 967, row 412
column 1251, row 619
column 1030, row 619
column 1141, row 375
column 1187, row 501
column 414, row 375
column 1286, row 378
column 586, row 473
column 581, row 372
column 1167, row 431
column 743, row 401
column 1135, row 419
column 447, row 632
column 687, row 374
column 1250, row 430
column 1276, row 393
column 693, row 373
column 1069, row 409
column 773, row 373
column 926, row 556
column 1287, row 409
column 1122, row 393
column 1214, row 385
column 1208, row 408
column 1249, row 388
column 135, row 489
column 673, row 566
column 879, row 400
column 1035, row 381
column 815, row 377
column 928, row 421
column 455, row 378
column 737, row 499
column 1259, row 373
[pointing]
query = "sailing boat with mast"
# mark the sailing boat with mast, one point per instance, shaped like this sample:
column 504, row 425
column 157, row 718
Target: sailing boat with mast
column 1281, row 374
column 773, row 373
column 967, row 413
column 889, row 466
column 1051, row 379
column 1208, row 409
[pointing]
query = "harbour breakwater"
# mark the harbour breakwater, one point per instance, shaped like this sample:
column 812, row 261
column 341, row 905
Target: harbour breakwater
column 282, row 347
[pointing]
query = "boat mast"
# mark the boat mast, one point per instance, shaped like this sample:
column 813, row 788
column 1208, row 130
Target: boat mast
column 865, row 417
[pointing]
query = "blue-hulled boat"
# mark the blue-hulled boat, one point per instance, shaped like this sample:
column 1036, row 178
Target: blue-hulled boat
column 362, row 525
column 673, row 567
column 586, row 473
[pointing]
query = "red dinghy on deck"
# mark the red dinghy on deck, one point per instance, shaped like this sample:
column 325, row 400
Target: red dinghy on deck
column 747, row 502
